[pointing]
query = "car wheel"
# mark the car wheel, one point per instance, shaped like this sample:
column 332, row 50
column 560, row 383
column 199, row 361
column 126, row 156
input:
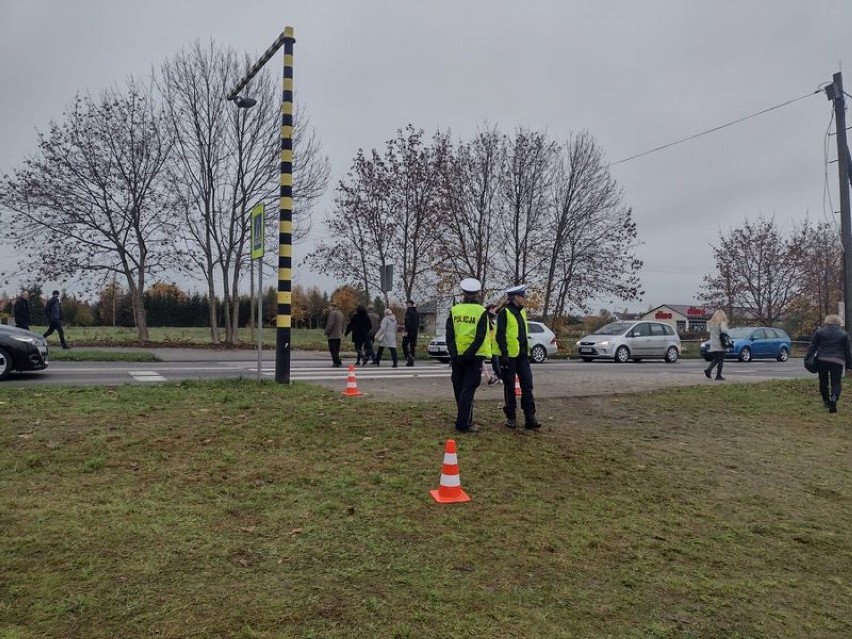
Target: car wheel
column 5, row 364
column 671, row 355
column 444, row 360
column 745, row 354
column 708, row 359
column 622, row 354
column 538, row 354
column 586, row 359
column 783, row 355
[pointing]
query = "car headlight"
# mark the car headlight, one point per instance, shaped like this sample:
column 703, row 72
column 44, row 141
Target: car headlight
column 24, row 338
column 604, row 344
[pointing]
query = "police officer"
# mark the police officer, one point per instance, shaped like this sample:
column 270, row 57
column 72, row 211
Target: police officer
column 512, row 342
column 469, row 346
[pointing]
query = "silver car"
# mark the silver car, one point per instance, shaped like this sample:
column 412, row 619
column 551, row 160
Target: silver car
column 542, row 344
column 637, row 340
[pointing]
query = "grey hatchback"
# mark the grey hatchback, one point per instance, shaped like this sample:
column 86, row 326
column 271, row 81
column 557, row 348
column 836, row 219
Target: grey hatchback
column 637, row 340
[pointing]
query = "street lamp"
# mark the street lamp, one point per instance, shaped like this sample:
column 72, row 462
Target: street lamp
column 285, row 193
column 243, row 102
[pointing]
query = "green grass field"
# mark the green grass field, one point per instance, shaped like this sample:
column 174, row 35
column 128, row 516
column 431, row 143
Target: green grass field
column 242, row 510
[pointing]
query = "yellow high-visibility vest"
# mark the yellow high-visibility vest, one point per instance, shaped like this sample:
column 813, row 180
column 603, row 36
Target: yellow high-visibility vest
column 465, row 320
column 512, row 333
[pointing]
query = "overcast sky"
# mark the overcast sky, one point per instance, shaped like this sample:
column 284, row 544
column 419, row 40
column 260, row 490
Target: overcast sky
column 636, row 75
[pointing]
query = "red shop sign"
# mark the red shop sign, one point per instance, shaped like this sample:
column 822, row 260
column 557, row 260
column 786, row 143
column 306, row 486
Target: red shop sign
column 662, row 315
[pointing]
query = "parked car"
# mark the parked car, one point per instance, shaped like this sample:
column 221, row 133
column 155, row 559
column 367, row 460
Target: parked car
column 542, row 344
column 21, row 350
column 754, row 342
column 637, row 340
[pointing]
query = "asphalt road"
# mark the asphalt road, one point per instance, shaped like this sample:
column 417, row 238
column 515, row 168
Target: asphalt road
column 425, row 380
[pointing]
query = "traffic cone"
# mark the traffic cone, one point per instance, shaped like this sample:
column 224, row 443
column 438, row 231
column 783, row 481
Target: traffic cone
column 450, row 490
column 517, row 386
column 351, row 384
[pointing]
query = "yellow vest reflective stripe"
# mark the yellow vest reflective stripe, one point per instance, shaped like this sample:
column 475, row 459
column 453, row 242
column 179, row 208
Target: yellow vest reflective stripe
column 512, row 333
column 465, row 320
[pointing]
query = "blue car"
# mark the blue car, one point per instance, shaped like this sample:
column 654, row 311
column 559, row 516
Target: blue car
column 755, row 342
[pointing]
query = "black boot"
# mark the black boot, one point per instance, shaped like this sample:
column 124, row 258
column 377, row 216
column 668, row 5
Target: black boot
column 530, row 422
column 511, row 422
column 707, row 373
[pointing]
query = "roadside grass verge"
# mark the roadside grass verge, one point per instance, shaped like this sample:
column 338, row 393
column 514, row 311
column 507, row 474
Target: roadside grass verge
column 233, row 509
column 91, row 355
column 181, row 337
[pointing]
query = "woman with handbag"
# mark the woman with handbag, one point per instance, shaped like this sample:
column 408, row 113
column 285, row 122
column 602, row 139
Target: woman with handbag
column 830, row 343
column 717, row 325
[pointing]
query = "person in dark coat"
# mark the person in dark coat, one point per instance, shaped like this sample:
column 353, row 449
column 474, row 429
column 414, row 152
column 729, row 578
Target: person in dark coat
column 375, row 322
column 833, row 354
column 53, row 313
column 359, row 325
column 412, row 328
column 22, row 311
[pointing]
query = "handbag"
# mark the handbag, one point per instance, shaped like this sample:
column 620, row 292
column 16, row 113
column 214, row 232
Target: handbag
column 811, row 362
column 726, row 340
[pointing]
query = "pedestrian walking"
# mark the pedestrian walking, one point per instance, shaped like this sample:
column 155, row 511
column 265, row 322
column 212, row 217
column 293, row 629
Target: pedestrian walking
column 359, row 325
column 717, row 325
column 21, row 310
column 411, row 324
column 386, row 337
column 53, row 314
column 469, row 347
column 375, row 322
column 334, row 333
column 514, row 346
column 830, row 344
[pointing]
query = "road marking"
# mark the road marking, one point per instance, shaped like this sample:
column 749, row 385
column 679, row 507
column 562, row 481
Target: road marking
column 147, row 376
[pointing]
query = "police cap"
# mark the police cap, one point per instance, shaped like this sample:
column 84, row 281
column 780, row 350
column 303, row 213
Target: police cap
column 521, row 289
column 471, row 285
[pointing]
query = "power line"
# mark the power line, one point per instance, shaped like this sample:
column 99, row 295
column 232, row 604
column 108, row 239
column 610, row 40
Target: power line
column 715, row 128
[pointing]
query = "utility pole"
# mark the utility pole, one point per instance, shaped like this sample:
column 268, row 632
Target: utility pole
column 834, row 91
column 285, row 192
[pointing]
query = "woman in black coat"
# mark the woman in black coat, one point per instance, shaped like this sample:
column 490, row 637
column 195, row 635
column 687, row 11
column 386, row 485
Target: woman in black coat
column 359, row 325
column 831, row 344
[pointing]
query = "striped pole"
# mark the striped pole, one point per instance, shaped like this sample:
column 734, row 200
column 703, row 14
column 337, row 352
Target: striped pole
column 285, row 198
column 285, row 216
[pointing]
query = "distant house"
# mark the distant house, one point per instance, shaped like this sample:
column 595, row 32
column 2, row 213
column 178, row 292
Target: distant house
column 683, row 318
column 428, row 315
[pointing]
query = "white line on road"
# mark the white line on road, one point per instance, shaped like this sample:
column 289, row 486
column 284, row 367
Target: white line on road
column 147, row 376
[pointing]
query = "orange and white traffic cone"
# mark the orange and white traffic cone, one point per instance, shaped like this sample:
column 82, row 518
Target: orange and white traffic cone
column 351, row 384
column 450, row 490
column 517, row 386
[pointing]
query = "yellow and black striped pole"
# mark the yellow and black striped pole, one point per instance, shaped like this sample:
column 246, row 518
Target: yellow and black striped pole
column 285, row 217
column 285, row 196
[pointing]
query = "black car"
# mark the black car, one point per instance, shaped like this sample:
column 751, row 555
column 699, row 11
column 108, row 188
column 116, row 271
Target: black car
column 21, row 350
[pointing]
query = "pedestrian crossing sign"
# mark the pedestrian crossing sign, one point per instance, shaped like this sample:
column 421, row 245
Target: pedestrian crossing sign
column 257, row 238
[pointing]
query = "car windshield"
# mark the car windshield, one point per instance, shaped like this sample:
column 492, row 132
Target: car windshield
column 616, row 328
column 740, row 333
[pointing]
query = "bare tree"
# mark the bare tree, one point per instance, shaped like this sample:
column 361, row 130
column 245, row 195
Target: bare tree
column 90, row 204
column 472, row 207
column 415, row 197
column 820, row 258
column 361, row 230
column 591, row 235
column 528, row 175
column 756, row 270
column 227, row 160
